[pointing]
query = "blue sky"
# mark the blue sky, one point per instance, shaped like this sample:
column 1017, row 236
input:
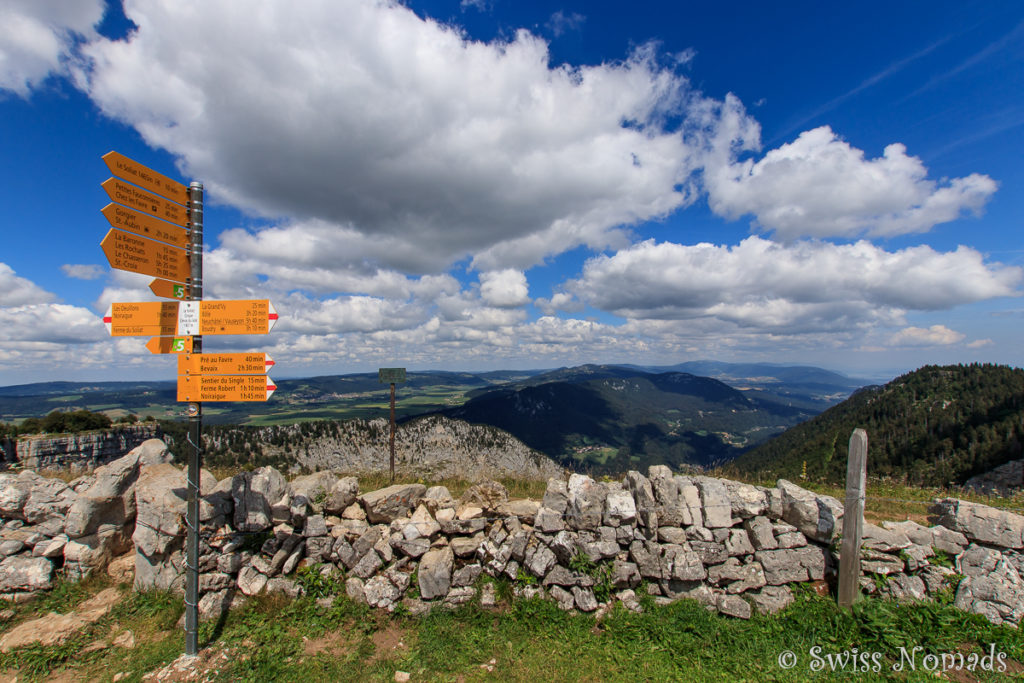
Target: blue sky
column 495, row 184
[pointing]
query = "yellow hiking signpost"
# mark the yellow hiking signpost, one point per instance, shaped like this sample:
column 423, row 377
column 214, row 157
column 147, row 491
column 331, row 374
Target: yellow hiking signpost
column 128, row 252
column 170, row 345
column 129, row 195
column 190, row 318
column 169, row 290
column 123, row 218
column 157, row 229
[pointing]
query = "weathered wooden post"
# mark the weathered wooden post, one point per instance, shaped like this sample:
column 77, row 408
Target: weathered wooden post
column 391, row 376
column 853, row 519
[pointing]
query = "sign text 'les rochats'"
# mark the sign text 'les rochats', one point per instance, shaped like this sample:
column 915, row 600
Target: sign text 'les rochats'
column 128, row 252
column 186, row 318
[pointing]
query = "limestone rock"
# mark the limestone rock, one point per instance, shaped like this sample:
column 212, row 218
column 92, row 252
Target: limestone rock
column 792, row 565
column 760, row 530
column 815, row 516
column 747, row 500
column 733, row 606
column 672, row 511
column 354, row 588
column 586, row 502
column 25, row 574
column 997, row 595
column 487, row 495
column 715, row 502
column 904, row 588
column 771, row 599
column 619, row 509
column 55, row 629
column 88, row 553
column 643, row 495
column 435, row 573
column 584, row 598
column 380, row 592
column 315, row 488
column 548, row 521
column 392, row 502
column 108, row 501
column 342, row 495
column 525, row 510
column 556, row 496
column 253, row 493
column 467, row 575
column 884, row 540
column 980, row 523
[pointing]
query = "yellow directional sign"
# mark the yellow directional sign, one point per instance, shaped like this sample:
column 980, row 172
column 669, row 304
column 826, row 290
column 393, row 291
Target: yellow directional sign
column 146, row 226
column 134, row 172
column 168, row 289
column 224, row 364
column 201, row 388
column 142, row 319
column 252, row 316
column 187, row 318
column 129, row 195
column 170, row 345
column 140, row 255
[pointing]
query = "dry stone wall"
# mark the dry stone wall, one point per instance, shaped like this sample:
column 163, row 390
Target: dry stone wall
column 732, row 546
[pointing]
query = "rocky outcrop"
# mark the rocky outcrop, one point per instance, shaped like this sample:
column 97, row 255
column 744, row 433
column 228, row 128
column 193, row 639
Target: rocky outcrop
column 1005, row 480
column 433, row 447
column 81, row 451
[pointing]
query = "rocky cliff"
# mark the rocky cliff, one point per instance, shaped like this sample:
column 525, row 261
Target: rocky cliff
column 81, row 451
column 433, row 447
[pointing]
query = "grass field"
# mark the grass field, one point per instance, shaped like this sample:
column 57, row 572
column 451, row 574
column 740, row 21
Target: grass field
column 274, row 639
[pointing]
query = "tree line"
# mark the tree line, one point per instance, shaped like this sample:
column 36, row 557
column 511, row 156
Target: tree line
column 936, row 426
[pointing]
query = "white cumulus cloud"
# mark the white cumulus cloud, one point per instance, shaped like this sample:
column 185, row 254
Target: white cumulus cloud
column 504, row 288
column 821, row 186
column 15, row 290
column 804, row 286
column 81, row 271
column 936, row 335
column 38, row 36
column 366, row 116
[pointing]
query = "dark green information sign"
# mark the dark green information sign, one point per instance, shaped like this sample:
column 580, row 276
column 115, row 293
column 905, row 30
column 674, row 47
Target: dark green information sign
column 391, row 375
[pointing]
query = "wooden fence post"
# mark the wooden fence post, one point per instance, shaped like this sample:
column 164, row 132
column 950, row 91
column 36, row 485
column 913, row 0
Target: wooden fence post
column 853, row 519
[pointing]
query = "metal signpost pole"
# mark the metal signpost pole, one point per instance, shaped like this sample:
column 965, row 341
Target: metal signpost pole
column 195, row 430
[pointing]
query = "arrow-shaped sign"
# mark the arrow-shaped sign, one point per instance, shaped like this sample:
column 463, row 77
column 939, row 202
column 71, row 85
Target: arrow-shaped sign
column 129, row 195
column 125, row 251
column 145, row 226
column 169, row 290
column 170, row 345
column 187, row 318
column 134, row 172
column 197, row 388
column 225, row 364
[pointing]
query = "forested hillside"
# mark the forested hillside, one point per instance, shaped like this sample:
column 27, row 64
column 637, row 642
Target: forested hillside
column 936, row 426
column 611, row 419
